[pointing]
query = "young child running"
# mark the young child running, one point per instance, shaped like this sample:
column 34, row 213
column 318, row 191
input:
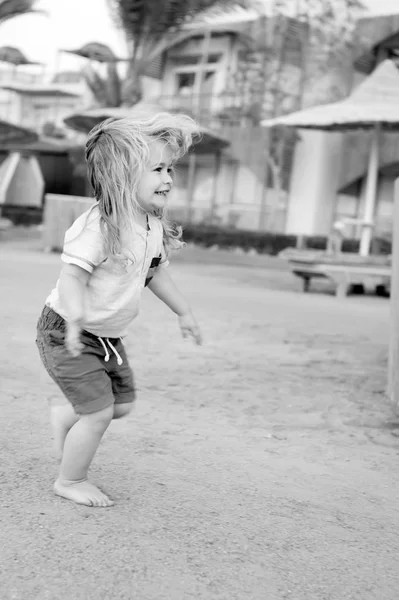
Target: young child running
column 111, row 252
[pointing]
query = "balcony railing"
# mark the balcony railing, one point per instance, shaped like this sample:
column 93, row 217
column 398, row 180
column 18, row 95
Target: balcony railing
column 213, row 110
column 232, row 108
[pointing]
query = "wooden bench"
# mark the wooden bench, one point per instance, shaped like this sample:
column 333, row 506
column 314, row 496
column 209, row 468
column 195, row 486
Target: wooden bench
column 345, row 270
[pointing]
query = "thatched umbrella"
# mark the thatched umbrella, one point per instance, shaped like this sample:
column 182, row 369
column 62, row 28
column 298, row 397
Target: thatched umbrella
column 15, row 134
column 86, row 120
column 96, row 51
column 11, row 135
column 373, row 105
column 14, row 56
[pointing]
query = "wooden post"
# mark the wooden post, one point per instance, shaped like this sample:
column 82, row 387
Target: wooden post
column 393, row 358
column 199, row 78
column 235, row 165
column 216, row 172
column 265, row 187
column 371, row 193
column 192, row 160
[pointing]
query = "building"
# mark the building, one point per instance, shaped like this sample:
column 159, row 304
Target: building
column 336, row 163
column 38, row 103
column 28, row 170
column 214, row 70
column 229, row 71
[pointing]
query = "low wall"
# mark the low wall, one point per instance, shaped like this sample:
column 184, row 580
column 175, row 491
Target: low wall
column 60, row 212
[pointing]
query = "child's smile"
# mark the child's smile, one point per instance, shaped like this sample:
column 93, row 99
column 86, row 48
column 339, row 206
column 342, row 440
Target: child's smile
column 156, row 181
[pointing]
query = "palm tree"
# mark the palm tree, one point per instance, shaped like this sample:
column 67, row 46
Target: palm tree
column 9, row 9
column 147, row 24
column 106, row 89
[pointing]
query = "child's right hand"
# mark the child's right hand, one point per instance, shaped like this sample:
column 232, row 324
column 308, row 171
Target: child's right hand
column 72, row 338
column 189, row 328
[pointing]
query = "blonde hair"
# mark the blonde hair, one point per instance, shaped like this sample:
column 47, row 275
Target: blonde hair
column 117, row 152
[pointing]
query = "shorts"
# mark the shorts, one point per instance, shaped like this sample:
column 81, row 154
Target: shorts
column 88, row 381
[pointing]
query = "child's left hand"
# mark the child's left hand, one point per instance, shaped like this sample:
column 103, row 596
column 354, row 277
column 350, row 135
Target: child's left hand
column 72, row 338
column 189, row 328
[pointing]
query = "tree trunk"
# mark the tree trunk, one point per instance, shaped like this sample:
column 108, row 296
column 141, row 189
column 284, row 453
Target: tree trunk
column 132, row 90
column 200, row 76
column 277, row 186
column 280, row 34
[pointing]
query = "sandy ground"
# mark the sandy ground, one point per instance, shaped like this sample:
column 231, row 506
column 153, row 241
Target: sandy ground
column 261, row 466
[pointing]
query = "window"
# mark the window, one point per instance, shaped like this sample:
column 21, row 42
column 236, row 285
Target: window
column 185, row 82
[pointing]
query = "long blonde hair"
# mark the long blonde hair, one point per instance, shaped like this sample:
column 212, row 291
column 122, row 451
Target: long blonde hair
column 117, row 153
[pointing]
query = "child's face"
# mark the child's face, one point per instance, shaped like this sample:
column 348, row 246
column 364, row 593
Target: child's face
column 156, row 181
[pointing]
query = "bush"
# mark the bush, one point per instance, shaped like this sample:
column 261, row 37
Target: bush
column 266, row 242
column 22, row 215
column 224, row 237
column 263, row 243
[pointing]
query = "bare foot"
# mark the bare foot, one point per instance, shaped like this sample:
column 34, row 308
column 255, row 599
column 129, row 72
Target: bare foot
column 82, row 492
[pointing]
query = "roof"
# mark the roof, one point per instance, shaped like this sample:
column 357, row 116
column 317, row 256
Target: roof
column 223, row 16
column 46, row 145
column 200, row 28
column 39, row 90
column 375, row 100
column 249, row 26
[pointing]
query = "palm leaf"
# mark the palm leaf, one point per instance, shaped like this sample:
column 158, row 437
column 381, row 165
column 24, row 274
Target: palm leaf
column 113, row 86
column 147, row 23
column 141, row 19
column 97, row 85
column 95, row 51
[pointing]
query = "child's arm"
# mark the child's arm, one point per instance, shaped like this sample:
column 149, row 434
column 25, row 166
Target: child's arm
column 72, row 284
column 165, row 289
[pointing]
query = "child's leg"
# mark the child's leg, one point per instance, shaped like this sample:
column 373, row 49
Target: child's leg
column 122, row 410
column 80, row 446
column 62, row 417
column 88, row 382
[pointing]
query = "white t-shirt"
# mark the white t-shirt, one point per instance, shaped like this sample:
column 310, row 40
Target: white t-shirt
column 114, row 289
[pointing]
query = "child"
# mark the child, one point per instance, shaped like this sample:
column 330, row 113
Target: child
column 110, row 254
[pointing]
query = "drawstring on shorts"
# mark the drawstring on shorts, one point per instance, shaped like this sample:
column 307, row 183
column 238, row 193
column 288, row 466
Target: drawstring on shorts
column 119, row 359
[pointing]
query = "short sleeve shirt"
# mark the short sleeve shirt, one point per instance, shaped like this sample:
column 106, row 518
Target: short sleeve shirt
column 114, row 289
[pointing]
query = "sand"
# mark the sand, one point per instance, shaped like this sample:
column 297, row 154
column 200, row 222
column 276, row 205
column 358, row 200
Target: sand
column 260, row 466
